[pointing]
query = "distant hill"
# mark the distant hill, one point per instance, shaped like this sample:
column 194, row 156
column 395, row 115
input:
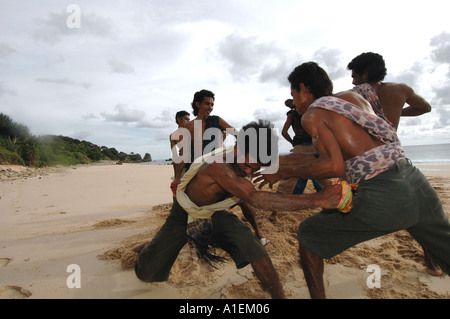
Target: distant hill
column 18, row 146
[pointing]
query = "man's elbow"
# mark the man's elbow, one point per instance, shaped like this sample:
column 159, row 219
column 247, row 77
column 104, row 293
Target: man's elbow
column 336, row 169
column 422, row 107
column 423, row 110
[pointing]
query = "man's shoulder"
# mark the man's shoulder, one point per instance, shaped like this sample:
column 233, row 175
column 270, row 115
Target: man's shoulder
column 177, row 134
column 190, row 125
column 212, row 120
column 177, row 130
column 347, row 94
column 352, row 97
column 217, row 168
column 340, row 101
column 395, row 86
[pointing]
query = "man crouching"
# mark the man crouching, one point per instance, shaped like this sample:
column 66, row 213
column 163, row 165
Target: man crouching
column 213, row 183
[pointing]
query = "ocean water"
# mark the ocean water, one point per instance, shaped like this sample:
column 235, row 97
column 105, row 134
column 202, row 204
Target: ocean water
column 159, row 162
column 432, row 154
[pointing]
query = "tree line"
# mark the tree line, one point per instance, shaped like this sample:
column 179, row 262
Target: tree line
column 19, row 146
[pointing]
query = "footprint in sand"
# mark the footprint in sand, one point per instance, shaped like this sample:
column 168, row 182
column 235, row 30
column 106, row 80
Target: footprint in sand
column 4, row 261
column 14, row 292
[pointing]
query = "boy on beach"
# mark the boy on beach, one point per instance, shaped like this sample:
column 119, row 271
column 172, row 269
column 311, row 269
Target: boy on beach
column 355, row 144
column 213, row 183
column 181, row 118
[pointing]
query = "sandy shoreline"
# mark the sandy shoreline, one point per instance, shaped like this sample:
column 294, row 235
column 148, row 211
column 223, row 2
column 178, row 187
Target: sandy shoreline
column 92, row 216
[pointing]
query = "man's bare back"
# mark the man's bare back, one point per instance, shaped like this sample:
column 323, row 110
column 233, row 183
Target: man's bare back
column 208, row 186
column 393, row 97
column 369, row 67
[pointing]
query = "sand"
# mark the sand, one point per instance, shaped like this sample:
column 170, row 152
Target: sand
column 67, row 233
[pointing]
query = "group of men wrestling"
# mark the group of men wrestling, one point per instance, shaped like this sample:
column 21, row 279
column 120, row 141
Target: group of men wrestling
column 355, row 140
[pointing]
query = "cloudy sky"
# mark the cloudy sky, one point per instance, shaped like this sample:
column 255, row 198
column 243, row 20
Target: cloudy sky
column 116, row 72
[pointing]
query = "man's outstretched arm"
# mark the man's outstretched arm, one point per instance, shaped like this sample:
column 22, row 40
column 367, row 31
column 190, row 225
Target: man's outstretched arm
column 329, row 197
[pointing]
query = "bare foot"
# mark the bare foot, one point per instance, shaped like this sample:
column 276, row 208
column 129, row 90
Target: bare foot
column 138, row 249
column 432, row 268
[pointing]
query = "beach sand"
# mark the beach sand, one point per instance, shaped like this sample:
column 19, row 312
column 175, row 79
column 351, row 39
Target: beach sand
column 92, row 216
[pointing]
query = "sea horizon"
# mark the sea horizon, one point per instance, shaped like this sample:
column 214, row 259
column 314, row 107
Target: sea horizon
column 435, row 154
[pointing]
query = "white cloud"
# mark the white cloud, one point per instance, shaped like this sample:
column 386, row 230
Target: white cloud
column 410, row 76
column 123, row 114
column 442, row 52
column 6, row 50
column 330, row 59
column 53, row 27
column 84, row 85
column 248, row 57
column 117, row 66
column 119, row 79
column 6, row 91
column 442, row 95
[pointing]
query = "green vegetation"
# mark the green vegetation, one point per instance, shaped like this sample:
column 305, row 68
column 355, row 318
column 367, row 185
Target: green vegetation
column 18, row 146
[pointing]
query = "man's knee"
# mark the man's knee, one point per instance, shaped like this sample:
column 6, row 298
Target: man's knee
column 147, row 273
column 309, row 245
column 149, row 268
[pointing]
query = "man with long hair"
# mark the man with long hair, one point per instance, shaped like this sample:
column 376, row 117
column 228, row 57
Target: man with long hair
column 199, row 216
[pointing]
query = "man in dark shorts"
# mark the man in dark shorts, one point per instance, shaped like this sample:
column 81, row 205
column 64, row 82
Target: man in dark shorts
column 355, row 144
column 390, row 101
column 213, row 182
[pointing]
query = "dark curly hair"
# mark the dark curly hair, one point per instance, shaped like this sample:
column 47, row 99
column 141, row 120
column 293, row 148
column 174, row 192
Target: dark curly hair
column 260, row 137
column 198, row 97
column 179, row 115
column 313, row 77
column 370, row 63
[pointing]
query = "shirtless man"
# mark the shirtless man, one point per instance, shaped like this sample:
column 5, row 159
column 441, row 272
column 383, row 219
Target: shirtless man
column 368, row 72
column 181, row 118
column 202, row 106
column 370, row 68
column 353, row 143
column 219, row 182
